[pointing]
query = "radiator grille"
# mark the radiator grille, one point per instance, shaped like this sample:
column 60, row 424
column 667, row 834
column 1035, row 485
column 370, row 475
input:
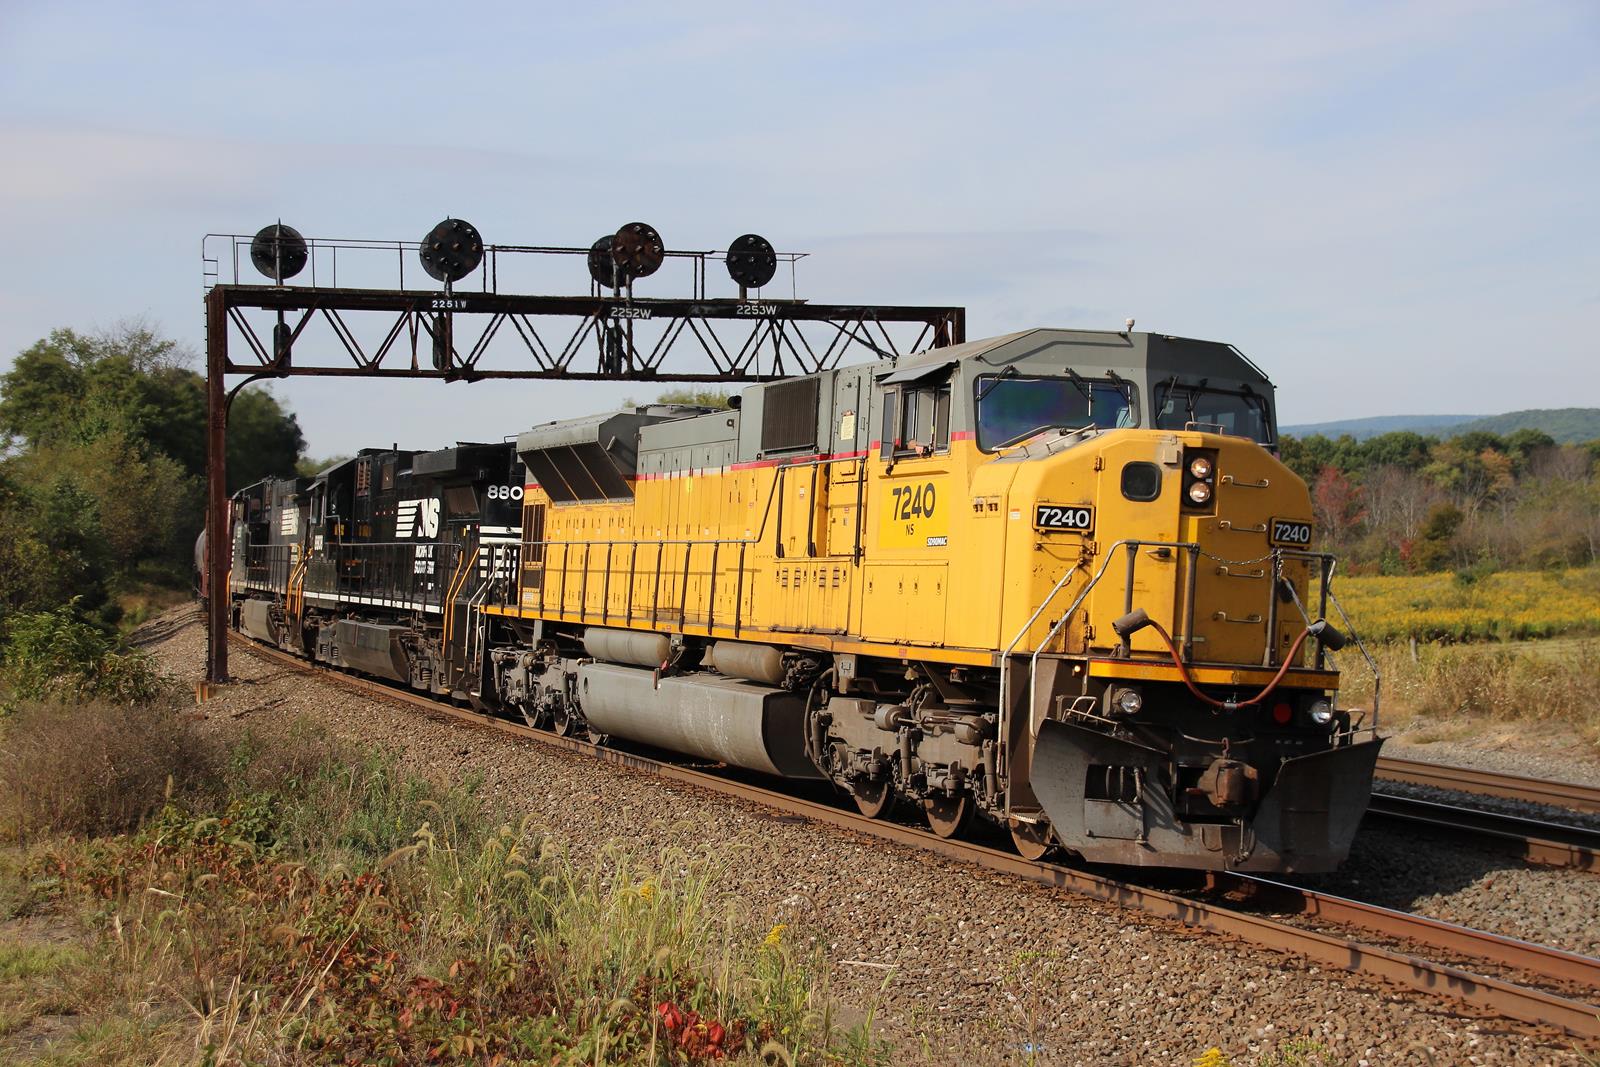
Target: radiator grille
column 789, row 415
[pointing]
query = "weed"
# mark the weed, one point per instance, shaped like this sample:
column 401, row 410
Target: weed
column 1527, row 683
column 1300, row 1052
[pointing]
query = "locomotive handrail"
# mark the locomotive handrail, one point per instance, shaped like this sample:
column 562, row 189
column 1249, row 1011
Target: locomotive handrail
column 371, row 569
column 1132, row 547
column 1325, row 593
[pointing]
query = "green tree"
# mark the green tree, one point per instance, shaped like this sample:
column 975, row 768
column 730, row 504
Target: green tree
column 1433, row 548
column 146, row 505
column 1403, row 449
column 705, row 398
column 104, row 461
column 310, row 468
column 263, row 439
column 51, row 550
column 132, row 381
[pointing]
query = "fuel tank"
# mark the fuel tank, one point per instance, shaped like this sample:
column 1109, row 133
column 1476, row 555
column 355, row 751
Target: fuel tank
column 729, row 720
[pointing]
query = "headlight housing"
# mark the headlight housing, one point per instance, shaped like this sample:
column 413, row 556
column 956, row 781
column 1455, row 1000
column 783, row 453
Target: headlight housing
column 1322, row 712
column 1127, row 701
column 1199, row 479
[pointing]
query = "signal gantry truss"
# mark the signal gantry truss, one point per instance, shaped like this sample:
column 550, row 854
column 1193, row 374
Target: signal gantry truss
column 483, row 330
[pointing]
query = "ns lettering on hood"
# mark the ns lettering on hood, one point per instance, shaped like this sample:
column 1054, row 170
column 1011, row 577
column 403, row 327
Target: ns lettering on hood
column 417, row 519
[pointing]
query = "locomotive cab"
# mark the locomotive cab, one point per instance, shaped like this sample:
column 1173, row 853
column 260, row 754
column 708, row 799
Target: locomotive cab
column 1166, row 692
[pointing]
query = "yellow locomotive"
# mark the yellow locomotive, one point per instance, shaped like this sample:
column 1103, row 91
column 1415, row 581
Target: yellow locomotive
column 1056, row 580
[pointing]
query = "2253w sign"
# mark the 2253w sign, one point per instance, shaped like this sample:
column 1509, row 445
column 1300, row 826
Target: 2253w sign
column 1072, row 518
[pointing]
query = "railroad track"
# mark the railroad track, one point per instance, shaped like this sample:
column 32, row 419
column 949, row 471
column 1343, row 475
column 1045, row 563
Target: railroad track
column 1534, row 841
column 1550, row 999
column 1489, row 783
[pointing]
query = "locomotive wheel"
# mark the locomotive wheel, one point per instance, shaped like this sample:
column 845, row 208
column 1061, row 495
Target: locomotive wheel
column 561, row 724
column 596, row 737
column 948, row 816
column 873, row 799
column 1033, row 840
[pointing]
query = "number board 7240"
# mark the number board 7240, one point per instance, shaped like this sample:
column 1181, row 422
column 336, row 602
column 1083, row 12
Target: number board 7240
column 1290, row 533
column 1068, row 518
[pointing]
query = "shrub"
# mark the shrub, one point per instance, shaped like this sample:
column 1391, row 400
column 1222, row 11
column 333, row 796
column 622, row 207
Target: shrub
column 94, row 768
column 56, row 655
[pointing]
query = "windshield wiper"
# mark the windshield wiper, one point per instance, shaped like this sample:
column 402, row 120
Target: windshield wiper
column 1083, row 386
column 1009, row 372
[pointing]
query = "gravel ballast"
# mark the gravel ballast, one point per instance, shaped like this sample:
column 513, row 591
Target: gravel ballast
column 958, row 965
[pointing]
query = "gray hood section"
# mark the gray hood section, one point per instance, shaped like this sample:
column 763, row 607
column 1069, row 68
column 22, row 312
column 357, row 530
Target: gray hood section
column 592, row 458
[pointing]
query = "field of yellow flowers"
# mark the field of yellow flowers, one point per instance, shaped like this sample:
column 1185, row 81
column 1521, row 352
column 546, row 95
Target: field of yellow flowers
column 1500, row 606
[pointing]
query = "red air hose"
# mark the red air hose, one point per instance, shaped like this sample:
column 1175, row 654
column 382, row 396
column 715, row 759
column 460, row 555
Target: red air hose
column 1229, row 705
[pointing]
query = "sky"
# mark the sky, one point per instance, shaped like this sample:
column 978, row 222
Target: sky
column 1392, row 207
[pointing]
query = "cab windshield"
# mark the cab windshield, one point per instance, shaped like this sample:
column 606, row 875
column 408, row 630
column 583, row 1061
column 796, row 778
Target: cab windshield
column 1012, row 408
column 1236, row 412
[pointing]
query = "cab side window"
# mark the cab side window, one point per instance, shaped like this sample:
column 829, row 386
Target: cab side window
column 916, row 419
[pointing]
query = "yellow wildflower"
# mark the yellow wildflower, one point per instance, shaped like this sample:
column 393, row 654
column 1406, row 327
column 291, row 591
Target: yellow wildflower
column 775, row 936
column 646, row 889
column 1212, row 1057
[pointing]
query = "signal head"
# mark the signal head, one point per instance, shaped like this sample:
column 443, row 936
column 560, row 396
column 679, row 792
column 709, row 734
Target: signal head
column 637, row 250
column 603, row 267
column 278, row 251
column 451, row 251
column 751, row 261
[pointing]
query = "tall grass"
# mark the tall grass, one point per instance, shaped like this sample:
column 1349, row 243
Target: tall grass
column 1473, row 606
column 298, row 906
column 1546, row 682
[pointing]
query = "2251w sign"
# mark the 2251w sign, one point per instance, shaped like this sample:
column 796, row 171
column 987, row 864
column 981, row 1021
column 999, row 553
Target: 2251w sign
column 1071, row 518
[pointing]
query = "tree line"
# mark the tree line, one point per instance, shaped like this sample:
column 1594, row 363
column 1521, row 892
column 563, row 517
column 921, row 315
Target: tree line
column 1403, row 502
column 102, row 466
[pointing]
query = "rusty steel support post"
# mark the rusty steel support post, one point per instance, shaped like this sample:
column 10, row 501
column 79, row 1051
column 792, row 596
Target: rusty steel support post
column 219, row 547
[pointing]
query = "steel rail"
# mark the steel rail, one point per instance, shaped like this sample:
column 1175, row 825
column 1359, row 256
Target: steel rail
column 1488, row 994
column 1542, row 961
column 1490, row 783
column 1534, row 841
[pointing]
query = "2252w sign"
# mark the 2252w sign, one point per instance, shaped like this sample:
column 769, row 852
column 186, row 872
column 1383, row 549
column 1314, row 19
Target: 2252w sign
column 1071, row 518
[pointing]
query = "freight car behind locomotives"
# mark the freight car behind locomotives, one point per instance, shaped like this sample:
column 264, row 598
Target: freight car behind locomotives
column 1056, row 580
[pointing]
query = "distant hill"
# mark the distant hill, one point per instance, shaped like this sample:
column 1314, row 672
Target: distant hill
column 1361, row 429
column 1567, row 425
